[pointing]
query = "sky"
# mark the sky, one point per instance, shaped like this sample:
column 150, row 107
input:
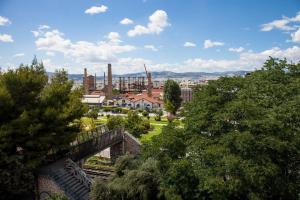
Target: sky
column 166, row 35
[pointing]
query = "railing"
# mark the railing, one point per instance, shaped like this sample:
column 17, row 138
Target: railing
column 87, row 143
column 74, row 170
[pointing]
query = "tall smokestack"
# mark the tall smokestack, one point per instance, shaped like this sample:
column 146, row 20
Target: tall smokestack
column 104, row 81
column 95, row 86
column 149, row 76
column 109, row 82
column 85, row 82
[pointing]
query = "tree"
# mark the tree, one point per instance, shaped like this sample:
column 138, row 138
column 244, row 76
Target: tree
column 142, row 181
column 145, row 113
column 35, row 116
column 158, row 115
column 115, row 122
column 245, row 133
column 172, row 99
column 93, row 113
column 136, row 125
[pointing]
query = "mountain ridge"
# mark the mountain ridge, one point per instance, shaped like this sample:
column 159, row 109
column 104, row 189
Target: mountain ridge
column 168, row 74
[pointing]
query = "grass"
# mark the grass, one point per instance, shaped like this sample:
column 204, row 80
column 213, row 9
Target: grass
column 156, row 131
column 89, row 123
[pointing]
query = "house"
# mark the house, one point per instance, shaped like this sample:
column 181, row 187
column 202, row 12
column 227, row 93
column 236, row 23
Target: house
column 142, row 100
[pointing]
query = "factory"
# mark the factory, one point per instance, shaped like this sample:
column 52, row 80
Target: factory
column 133, row 92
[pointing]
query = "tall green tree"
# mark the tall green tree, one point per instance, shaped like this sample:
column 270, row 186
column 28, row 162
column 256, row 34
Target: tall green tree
column 172, row 96
column 36, row 115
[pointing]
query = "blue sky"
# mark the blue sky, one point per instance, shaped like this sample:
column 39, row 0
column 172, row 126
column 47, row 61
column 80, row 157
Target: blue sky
column 190, row 35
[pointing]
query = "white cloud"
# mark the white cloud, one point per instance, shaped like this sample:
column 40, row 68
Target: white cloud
column 296, row 36
column 209, row 44
column 41, row 27
column 4, row 21
column 82, row 51
column 6, row 38
column 237, row 50
column 158, row 21
column 19, row 55
column 126, row 21
column 246, row 61
column 50, row 53
column 96, row 9
column 152, row 47
column 41, row 30
column 114, row 37
column 189, row 44
column 282, row 24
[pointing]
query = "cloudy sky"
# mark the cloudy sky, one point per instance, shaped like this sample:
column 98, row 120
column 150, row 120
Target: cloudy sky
column 180, row 36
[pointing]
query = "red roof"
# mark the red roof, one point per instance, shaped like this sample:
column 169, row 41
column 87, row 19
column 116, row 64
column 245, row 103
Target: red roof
column 153, row 99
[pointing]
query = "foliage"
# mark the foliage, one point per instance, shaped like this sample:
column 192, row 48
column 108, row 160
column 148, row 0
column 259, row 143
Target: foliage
column 172, row 96
column 145, row 113
column 93, row 113
column 136, row 125
column 137, row 181
column 115, row 122
column 57, row 197
column 240, row 141
column 35, row 116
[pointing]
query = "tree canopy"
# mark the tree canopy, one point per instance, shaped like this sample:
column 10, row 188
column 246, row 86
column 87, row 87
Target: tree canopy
column 241, row 140
column 172, row 99
column 36, row 115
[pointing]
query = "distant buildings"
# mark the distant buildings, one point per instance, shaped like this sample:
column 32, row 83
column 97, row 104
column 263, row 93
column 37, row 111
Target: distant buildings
column 133, row 91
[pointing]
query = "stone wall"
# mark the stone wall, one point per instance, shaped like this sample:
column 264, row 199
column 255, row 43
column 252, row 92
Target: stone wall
column 129, row 145
column 47, row 186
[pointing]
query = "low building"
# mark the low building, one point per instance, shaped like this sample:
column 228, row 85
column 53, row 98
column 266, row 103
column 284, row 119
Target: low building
column 142, row 100
column 93, row 100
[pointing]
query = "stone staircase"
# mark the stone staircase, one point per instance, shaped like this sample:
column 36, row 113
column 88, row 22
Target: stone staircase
column 71, row 179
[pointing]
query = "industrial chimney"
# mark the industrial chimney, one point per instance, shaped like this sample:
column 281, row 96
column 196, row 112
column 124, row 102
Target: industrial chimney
column 109, row 83
column 85, row 82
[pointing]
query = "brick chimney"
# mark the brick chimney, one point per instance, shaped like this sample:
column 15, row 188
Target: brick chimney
column 85, row 82
column 149, row 89
column 109, row 82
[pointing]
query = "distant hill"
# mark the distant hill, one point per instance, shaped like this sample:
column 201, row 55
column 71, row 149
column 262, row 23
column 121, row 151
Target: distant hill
column 168, row 74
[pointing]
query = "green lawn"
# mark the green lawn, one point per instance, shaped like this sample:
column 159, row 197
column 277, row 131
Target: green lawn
column 89, row 123
column 148, row 136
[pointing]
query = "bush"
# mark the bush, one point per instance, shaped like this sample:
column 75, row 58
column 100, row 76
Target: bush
column 145, row 113
column 115, row 122
column 157, row 118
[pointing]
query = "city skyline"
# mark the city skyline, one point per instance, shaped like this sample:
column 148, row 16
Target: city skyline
column 190, row 36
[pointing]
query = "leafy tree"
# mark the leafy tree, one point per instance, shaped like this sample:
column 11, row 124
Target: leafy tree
column 35, row 116
column 93, row 113
column 245, row 134
column 158, row 115
column 114, row 122
column 172, row 96
column 136, row 125
column 140, row 182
